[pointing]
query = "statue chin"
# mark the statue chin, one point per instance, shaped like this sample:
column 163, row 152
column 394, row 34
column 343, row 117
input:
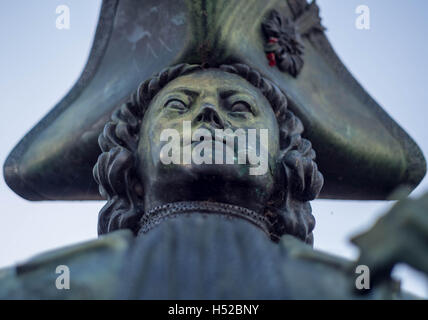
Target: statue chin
column 228, row 183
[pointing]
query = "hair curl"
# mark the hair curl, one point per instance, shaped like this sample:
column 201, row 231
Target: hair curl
column 115, row 171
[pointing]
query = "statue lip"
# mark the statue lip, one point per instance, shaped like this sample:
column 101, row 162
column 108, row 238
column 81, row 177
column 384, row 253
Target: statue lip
column 216, row 138
column 219, row 138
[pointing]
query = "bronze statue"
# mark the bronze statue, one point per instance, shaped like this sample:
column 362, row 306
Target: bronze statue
column 134, row 180
column 214, row 230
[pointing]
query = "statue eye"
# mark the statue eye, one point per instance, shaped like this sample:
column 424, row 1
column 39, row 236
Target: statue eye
column 241, row 106
column 176, row 104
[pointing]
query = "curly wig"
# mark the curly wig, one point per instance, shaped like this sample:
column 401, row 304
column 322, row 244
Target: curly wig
column 115, row 171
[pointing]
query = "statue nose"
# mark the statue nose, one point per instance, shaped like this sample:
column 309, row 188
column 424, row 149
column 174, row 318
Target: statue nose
column 209, row 114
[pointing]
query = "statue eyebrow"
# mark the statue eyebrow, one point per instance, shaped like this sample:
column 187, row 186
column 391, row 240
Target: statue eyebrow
column 224, row 94
column 187, row 91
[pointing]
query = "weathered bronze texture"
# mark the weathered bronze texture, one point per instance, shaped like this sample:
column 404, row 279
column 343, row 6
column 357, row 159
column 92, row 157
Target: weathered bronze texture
column 397, row 237
column 200, row 255
column 361, row 151
column 134, row 180
column 283, row 47
column 215, row 231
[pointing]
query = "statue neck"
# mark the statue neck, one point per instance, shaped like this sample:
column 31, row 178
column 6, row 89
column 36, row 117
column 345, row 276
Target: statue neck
column 160, row 213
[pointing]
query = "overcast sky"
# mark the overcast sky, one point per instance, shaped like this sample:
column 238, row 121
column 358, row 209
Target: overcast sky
column 39, row 64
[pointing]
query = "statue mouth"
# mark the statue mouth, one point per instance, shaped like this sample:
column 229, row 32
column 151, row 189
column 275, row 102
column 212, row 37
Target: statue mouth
column 220, row 140
column 219, row 150
column 207, row 145
column 218, row 135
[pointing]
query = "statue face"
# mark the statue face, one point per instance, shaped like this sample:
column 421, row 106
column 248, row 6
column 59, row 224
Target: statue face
column 209, row 101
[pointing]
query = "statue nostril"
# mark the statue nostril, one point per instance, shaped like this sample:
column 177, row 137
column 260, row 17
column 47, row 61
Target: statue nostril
column 215, row 119
column 210, row 115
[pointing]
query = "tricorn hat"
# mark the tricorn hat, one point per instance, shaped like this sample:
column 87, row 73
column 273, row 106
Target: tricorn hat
column 361, row 151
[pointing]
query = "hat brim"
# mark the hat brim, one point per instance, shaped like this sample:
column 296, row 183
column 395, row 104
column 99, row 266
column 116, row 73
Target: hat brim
column 362, row 152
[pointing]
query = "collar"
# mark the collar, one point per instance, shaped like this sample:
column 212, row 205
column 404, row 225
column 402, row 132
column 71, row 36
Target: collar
column 171, row 210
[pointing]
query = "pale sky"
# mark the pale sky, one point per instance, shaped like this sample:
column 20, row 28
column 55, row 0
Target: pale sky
column 39, row 64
